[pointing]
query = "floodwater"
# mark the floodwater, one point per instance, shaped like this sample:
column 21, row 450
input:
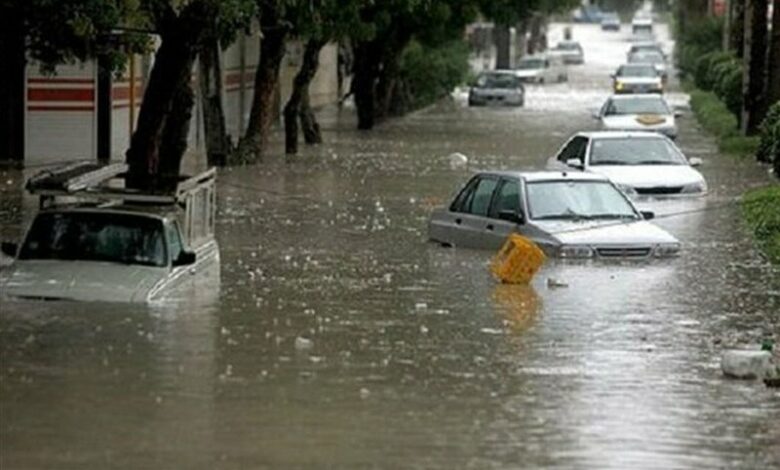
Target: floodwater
column 340, row 338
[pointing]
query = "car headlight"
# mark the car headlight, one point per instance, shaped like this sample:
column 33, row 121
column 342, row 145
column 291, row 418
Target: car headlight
column 619, row 85
column 694, row 188
column 667, row 250
column 575, row 251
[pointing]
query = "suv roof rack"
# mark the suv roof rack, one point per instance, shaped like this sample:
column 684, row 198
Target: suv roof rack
column 101, row 182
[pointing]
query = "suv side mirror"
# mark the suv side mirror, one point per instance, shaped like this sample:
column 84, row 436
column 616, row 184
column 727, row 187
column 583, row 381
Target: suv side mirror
column 9, row 249
column 511, row 216
column 185, row 258
column 575, row 163
column 648, row 215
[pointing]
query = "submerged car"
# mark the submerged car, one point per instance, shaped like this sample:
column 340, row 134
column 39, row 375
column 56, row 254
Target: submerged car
column 645, row 112
column 109, row 244
column 610, row 21
column 637, row 78
column 541, row 69
column 642, row 25
column 570, row 51
column 501, row 87
column 645, row 46
column 654, row 58
column 640, row 163
column 568, row 214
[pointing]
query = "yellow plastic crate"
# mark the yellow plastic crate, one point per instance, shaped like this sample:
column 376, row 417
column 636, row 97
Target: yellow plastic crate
column 518, row 260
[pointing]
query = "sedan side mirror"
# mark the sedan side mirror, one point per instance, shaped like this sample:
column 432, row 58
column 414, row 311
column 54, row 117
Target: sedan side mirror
column 648, row 215
column 695, row 161
column 185, row 258
column 511, row 216
column 679, row 114
column 575, row 163
column 9, row 249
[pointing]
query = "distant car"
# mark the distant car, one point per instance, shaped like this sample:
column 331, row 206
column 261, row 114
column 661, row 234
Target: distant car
column 542, row 69
column 610, row 22
column 642, row 26
column 500, row 87
column 637, row 78
column 568, row 214
column 645, row 46
column 640, row 163
column 139, row 250
column 655, row 58
column 587, row 14
column 643, row 112
column 570, row 51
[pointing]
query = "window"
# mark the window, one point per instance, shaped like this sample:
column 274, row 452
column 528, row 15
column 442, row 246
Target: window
column 574, row 149
column 483, row 193
column 635, row 151
column 507, row 199
column 462, row 201
column 577, row 200
column 174, row 240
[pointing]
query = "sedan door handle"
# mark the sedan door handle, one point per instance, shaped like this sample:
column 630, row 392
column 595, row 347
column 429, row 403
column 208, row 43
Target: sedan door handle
column 490, row 227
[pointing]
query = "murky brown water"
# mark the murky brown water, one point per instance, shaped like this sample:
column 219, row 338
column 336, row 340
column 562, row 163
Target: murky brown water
column 417, row 358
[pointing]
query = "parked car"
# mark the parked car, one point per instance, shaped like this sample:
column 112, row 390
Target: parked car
column 610, row 21
column 645, row 112
column 93, row 242
column 570, row 51
column 640, row 163
column 654, row 58
column 587, row 14
column 637, row 78
column 500, row 87
column 568, row 214
column 642, row 25
column 542, row 69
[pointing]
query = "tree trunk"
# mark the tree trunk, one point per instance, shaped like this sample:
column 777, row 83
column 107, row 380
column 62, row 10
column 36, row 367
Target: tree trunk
column 173, row 142
column 503, row 46
column 312, row 134
column 292, row 111
column 754, row 102
column 773, row 86
column 218, row 145
column 262, row 114
column 171, row 73
column 737, row 27
column 12, row 85
column 364, row 81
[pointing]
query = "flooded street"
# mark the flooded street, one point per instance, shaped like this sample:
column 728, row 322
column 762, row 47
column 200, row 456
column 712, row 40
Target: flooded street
column 340, row 338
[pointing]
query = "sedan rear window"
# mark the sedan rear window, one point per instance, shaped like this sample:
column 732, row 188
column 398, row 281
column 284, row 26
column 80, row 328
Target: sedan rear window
column 93, row 236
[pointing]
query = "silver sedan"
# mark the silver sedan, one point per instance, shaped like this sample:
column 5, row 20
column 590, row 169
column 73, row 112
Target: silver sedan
column 569, row 215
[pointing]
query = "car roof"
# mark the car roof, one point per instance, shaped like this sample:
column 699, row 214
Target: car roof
column 621, row 135
column 637, row 96
column 153, row 211
column 548, row 175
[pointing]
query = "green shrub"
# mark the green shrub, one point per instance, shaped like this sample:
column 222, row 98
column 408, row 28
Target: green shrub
column 700, row 37
column 713, row 114
column 761, row 210
column 738, row 145
column 728, row 84
column 705, row 76
column 769, row 147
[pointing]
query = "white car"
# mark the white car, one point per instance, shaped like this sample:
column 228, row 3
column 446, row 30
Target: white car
column 642, row 25
column 570, row 51
column 645, row 46
column 500, row 87
column 115, row 245
column 542, row 69
column 643, row 112
column 654, row 58
column 568, row 214
column 640, row 163
column 637, row 78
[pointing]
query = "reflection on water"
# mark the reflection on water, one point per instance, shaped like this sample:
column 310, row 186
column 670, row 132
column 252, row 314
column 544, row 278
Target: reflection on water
column 340, row 338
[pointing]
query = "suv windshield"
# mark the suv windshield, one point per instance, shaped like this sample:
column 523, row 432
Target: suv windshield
column 577, row 200
column 95, row 236
column 636, row 106
column 644, row 71
column 496, row 80
column 635, row 151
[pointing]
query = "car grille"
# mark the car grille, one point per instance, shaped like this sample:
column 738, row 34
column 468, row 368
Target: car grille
column 660, row 190
column 627, row 252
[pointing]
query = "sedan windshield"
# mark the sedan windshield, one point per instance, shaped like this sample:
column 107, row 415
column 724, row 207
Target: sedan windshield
column 649, row 105
column 635, row 151
column 577, row 200
column 93, row 236
column 531, row 64
column 644, row 71
column 496, row 80
column 568, row 46
column 646, row 57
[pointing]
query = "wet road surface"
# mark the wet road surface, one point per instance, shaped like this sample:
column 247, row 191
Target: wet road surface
column 340, row 338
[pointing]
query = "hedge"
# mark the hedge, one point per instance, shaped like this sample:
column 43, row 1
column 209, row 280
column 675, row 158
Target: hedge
column 760, row 209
